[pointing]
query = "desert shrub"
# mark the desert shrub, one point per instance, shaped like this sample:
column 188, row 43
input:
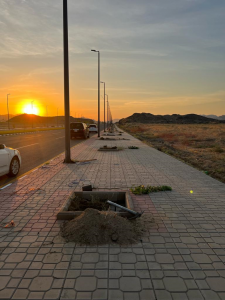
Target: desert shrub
column 203, row 146
column 137, row 129
column 167, row 136
column 186, row 142
column 220, row 171
column 189, row 135
column 218, row 149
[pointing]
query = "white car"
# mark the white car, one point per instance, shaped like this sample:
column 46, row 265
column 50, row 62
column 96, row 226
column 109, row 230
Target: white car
column 10, row 161
column 93, row 128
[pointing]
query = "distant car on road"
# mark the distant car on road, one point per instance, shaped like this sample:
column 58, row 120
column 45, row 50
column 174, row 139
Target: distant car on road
column 93, row 128
column 10, row 161
column 78, row 129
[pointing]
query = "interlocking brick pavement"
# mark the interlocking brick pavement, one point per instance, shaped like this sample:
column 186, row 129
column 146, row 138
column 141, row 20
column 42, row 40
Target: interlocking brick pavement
column 181, row 256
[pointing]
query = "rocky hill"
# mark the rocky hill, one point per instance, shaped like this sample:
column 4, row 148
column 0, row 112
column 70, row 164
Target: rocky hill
column 27, row 119
column 148, row 118
column 215, row 117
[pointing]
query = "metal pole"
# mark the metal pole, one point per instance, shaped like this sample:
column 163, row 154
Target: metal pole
column 98, row 90
column 99, row 94
column 137, row 214
column 104, row 104
column 109, row 116
column 66, row 82
column 104, row 107
column 107, row 111
column 8, row 108
column 57, row 117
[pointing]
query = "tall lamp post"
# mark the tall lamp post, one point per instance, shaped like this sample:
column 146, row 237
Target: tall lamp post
column 66, row 83
column 98, row 91
column 104, row 104
column 107, row 110
column 8, row 108
column 109, row 116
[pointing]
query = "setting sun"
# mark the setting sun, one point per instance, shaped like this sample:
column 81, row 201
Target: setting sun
column 29, row 110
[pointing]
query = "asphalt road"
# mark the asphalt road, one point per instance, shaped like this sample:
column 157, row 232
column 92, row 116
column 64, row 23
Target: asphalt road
column 35, row 149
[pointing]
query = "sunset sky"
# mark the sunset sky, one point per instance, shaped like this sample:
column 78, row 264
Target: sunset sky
column 157, row 56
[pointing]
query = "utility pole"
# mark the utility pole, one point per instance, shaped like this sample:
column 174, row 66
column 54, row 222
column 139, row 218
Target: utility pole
column 66, row 82
column 107, row 110
column 98, row 91
column 8, row 108
column 57, row 116
column 104, row 104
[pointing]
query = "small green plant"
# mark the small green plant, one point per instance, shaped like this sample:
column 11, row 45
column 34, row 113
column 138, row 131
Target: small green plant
column 133, row 147
column 141, row 189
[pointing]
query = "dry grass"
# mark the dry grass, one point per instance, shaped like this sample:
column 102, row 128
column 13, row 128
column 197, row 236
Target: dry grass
column 200, row 145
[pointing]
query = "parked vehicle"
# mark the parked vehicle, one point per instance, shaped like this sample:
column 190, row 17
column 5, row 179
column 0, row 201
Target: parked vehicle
column 93, row 128
column 78, row 129
column 10, row 161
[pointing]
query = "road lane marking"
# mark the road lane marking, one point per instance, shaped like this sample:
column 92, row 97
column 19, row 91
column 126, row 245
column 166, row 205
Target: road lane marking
column 27, row 146
column 5, row 186
column 22, row 177
column 60, row 137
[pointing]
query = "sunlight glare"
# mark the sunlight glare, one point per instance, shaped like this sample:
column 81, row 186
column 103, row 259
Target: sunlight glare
column 28, row 109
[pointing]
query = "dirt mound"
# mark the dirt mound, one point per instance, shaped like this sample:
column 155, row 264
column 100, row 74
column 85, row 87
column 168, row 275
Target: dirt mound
column 95, row 227
column 79, row 204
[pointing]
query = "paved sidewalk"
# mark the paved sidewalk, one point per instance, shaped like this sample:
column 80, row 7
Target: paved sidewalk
column 181, row 257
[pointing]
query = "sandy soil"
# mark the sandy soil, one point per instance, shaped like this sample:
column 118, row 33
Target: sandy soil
column 95, row 227
column 200, row 145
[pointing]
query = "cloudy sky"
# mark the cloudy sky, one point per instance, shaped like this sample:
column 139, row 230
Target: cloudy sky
column 157, row 56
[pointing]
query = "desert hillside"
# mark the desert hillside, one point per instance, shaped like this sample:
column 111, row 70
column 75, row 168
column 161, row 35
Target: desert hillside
column 148, row 118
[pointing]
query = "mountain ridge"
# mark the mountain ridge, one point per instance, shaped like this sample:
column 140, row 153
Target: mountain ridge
column 215, row 117
column 40, row 120
column 149, row 118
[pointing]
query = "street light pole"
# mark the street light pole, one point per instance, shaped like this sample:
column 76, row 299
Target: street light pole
column 107, row 110
column 8, row 108
column 66, row 82
column 104, row 104
column 109, row 117
column 98, row 91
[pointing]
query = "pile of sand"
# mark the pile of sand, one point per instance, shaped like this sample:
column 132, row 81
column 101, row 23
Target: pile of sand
column 95, row 227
